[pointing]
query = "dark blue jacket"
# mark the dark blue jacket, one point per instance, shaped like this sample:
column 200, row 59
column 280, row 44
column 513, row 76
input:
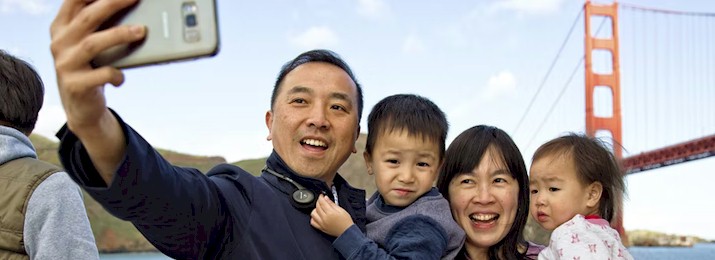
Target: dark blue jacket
column 226, row 214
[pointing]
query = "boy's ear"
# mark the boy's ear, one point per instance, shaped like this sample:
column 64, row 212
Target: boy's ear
column 368, row 162
column 594, row 190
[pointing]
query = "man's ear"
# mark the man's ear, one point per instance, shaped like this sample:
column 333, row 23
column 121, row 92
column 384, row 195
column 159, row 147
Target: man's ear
column 269, row 124
column 368, row 162
column 594, row 190
column 357, row 136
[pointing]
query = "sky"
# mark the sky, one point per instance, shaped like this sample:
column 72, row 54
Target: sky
column 480, row 61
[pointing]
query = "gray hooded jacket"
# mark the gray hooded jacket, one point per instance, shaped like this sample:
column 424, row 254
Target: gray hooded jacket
column 56, row 224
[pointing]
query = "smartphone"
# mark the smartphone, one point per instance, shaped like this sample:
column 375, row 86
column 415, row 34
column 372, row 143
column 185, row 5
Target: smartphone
column 176, row 30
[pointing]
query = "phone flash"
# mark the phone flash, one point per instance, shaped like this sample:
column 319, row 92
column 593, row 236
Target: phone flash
column 191, row 30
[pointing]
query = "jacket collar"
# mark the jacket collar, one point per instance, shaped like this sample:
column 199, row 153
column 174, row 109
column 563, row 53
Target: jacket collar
column 14, row 144
column 276, row 163
column 347, row 195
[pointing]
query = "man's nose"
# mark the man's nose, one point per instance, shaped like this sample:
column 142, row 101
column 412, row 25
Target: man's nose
column 318, row 118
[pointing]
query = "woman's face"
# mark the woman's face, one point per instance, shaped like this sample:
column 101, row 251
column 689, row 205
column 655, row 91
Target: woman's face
column 484, row 201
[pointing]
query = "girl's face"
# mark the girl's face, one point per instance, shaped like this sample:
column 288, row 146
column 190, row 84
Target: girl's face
column 557, row 194
column 484, row 202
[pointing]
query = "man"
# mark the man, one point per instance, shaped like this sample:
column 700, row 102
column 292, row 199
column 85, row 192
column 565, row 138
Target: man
column 313, row 124
column 42, row 215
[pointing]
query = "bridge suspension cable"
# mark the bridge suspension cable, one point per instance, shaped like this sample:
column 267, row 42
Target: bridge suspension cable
column 548, row 72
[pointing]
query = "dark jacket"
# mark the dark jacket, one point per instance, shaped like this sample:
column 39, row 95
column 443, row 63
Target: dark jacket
column 226, row 214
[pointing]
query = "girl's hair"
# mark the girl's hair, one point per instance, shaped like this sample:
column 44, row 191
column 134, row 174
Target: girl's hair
column 465, row 153
column 594, row 163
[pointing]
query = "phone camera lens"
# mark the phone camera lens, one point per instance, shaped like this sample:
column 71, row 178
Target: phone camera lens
column 190, row 20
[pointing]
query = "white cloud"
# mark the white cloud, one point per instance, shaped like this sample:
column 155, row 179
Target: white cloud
column 472, row 28
column 413, row 45
column 373, row 8
column 50, row 119
column 528, row 6
column 499, row 85
column 503, row 83
column 315, row 37
column 33, row 7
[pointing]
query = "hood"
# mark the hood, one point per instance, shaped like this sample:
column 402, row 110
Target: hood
column 14, row 144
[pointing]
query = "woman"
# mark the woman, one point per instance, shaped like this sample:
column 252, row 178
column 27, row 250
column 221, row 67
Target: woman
column 484, row 178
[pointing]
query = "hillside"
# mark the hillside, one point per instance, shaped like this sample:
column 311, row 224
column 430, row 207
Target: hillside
column 114, row 235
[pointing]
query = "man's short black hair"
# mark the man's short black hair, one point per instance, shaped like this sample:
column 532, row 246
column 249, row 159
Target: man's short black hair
column 317, row 56
column 21, row 93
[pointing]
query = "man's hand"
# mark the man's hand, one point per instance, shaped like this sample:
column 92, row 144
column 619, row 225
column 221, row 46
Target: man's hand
column 75, row 42
column 330, row 218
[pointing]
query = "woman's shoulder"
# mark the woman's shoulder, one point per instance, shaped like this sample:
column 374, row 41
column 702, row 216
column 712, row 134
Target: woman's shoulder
column 533, row 250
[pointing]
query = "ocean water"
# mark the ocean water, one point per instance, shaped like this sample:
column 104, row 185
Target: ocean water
column 134, row 256
column 697, row 252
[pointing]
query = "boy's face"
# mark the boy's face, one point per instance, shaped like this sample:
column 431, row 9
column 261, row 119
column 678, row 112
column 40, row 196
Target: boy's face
column 557, row 194
column 405, row 166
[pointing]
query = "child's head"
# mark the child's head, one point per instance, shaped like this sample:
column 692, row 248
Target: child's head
column 21, row 93
column 571, row 175
column 405, row 146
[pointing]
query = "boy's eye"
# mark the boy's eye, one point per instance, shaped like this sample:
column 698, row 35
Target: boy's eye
column 552, row 189
column 423, row 164
column 392, row 161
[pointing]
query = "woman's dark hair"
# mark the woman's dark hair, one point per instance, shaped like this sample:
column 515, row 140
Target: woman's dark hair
column 465, row 153
column 594, row 163
column 317, row 56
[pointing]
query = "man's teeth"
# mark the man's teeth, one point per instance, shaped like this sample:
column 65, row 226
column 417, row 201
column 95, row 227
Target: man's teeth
column 483, row 217
column 314, row 142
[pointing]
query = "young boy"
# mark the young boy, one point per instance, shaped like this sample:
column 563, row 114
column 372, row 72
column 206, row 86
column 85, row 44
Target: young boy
column 576, row 186
column 407, row 217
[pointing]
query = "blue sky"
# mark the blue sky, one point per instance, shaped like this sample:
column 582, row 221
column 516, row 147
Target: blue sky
column 480, row 61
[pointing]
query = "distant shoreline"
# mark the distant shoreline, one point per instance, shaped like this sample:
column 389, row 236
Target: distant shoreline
column 647, row 238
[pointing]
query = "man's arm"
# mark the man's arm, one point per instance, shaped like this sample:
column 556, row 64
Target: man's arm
column 74, row 44
column 179, row 210
column 56, row 224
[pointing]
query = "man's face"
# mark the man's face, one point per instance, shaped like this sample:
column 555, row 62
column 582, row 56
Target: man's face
column 314, row 121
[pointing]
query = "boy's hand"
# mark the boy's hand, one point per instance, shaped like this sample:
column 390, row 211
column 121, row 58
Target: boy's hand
column 330, row 218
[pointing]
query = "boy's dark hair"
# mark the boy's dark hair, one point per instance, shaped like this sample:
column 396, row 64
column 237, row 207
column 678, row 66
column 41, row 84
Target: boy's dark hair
column 465, row 153
column 21, row 93
column 417, row 115
column 594, row 163
column 317, row 56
